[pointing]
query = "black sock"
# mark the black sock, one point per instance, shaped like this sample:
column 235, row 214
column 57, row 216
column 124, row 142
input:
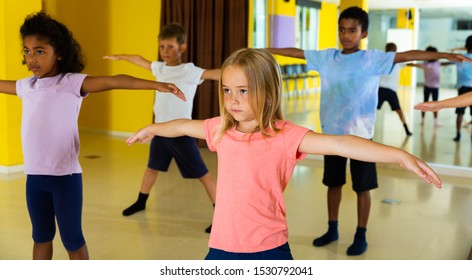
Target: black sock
column 330, row 236
column 208, row 229
column 458, row 137
column 360, row 244
column 407, row 130
column 139, row 205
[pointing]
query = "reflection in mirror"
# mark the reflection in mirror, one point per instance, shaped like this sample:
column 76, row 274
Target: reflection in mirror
column 444, row 29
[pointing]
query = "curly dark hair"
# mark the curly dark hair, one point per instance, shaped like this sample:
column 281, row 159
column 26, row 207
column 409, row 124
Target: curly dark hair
column 358, row 14
column 431, row 49
column 59, row 37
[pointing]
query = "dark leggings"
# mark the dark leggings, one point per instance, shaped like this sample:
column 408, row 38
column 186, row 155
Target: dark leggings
column 56, row 197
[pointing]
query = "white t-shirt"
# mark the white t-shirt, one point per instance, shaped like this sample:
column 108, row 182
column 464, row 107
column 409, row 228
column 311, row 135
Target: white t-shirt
column 186, row 77
column 391, row 81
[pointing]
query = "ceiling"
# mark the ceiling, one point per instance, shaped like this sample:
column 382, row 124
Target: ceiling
column 428, row 8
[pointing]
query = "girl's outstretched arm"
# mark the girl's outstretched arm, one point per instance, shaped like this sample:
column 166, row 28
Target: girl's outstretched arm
column 462, row 100
column 103, row 83
column 8, row 87
column 174, row 128
column 365, row 150
column 131, row 58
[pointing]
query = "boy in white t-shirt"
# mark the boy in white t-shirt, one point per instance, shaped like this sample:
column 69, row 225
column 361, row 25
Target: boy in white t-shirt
column 388, row 86
column 172, row 43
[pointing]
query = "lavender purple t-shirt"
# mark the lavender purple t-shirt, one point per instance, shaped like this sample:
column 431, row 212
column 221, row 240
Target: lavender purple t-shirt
column 49, row 128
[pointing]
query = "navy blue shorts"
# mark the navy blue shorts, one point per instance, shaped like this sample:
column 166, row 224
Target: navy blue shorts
column 461, row 110
column 386, row 94
column 279, row 253
column 363, row 174
column 427, row 91
column 185, row 152
column 51, row 198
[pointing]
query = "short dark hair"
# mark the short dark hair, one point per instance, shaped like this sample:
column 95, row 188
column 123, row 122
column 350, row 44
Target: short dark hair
column 468, row 43
column 390, row 47
column 358, row 14
column 173, row 30
column 59, row 37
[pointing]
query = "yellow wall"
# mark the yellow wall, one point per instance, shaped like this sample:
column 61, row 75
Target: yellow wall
column 108, row 27
column 403, row 22
column 12, row 14
column 328, row 29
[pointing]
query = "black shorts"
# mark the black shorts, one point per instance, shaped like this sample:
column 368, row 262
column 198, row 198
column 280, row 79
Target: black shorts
column 363, row 174
column 461, row 110
column 386, row 94
column 427, row 91
column 185, row 152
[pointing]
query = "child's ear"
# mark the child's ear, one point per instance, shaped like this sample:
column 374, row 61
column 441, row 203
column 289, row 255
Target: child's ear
column 183, row 47
column 364, row 34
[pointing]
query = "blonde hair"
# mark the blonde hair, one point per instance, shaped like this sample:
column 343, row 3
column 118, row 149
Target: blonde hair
column 264, row 88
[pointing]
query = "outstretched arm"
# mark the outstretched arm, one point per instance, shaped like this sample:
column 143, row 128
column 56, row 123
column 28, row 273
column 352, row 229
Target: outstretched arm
column 131, row 58
column 8, row 87
column 211, row 74
column 291, row 52
column 365, row 150
column 424, row 55
column 103, row 83
column 174, row 128
column 462, row 100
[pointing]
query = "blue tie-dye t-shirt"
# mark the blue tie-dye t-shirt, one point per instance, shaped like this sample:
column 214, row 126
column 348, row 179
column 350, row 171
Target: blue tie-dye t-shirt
column 464, row 73
column 349, row 86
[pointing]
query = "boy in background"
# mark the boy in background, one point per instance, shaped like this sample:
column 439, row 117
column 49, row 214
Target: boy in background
column 388, row 87
column 349, row 85
column 172, row 44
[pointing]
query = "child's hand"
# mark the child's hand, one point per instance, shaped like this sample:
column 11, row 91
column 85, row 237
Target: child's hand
column 168, row 87
column 431, row 106
column 458, row 58
column 142, row 136
column 421, row 169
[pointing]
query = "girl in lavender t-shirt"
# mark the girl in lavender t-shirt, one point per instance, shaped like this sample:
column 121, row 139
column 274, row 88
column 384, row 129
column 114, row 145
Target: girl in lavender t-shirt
column 51, row 104
column 432, row 81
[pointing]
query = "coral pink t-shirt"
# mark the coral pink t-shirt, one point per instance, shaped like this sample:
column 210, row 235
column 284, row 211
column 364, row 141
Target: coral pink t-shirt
column 253, row 171
column 49, row 130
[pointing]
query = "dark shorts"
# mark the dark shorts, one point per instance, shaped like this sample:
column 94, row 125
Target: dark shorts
column 185, row 152
column 386, row 94
column 51, row 198
column 461, row 110
column 427, row 91
column 280, row 253
column 363, row 174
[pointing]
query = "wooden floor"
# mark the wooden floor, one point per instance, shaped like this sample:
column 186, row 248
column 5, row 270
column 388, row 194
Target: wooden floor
column 423, row 223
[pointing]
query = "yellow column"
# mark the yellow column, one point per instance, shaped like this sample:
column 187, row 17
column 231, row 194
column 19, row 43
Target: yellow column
column 363, row 4
column 116, row 112
column 328, row 29
column 406, row 18
column 12, row 14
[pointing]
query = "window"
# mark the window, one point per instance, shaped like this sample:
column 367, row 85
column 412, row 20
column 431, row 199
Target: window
column 464, row 24
column 306, row 24
column 259, row 32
